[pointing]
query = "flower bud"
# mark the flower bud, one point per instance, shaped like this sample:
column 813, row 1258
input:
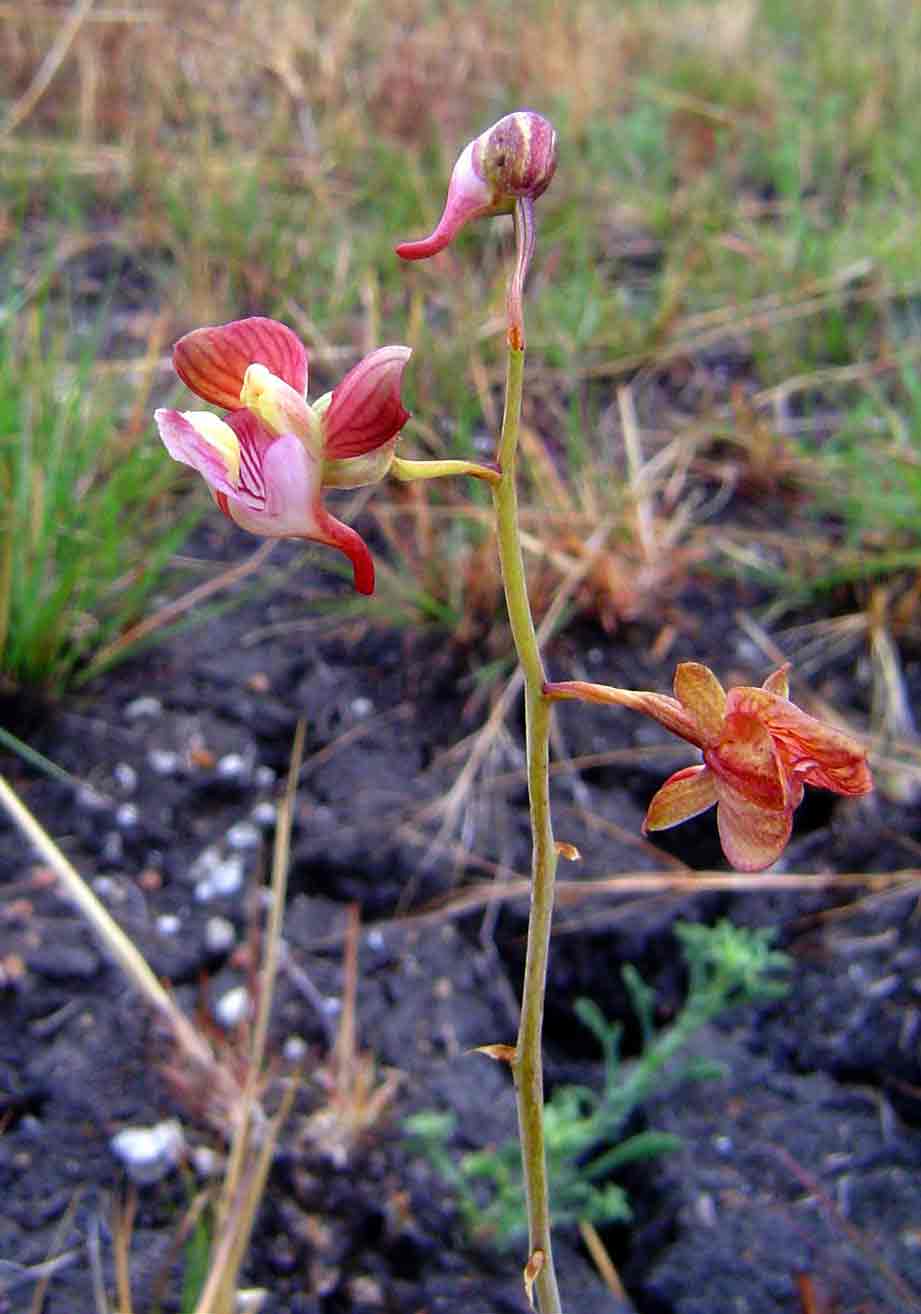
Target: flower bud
column 517, row 155
column 513, row 160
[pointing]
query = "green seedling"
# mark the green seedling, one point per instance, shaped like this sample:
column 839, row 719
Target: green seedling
column 728, row 967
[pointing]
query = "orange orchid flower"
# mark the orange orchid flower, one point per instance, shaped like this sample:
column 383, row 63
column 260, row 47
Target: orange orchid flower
column 759, row 751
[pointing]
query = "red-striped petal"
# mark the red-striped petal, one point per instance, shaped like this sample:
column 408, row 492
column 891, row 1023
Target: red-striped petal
column 365, row 410
column 212, row 361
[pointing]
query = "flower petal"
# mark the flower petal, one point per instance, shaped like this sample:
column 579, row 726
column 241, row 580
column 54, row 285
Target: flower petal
column 698, row 689
column 469, row 197
column 816, row 753
column 213, row 361
column 752, row 837
column 778, row 682
column 212, row 447
column 343, row 537
column 280, row 407
column 684, row 795
column 747, row 759
column 365, row 410
column 290, row 480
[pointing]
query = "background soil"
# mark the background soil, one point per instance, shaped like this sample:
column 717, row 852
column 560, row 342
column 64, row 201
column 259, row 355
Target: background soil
column 795, row 1188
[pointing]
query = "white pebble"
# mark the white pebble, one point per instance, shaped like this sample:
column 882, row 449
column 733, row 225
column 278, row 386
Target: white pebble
column 294, row 1049
column 205, row 1161
column 143, row 707
column 332, row 1006
column 149, row 1153
column 219, row 935
column 88, row 798
column 163, row 761
column 264, row 813
column 168, row 924
column 361, row 707
column 223, row 880
column 233, row 1007
column 265, row 776
column 375, row 939
column 233, row 766
column 127, row 815
column 244, row 835
column 105, row 887
column 125, row 777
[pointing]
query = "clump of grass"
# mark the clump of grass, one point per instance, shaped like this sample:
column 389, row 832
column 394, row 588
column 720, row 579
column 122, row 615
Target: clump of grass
column 86, row 532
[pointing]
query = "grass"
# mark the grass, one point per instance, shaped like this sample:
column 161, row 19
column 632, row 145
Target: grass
column 86, row 529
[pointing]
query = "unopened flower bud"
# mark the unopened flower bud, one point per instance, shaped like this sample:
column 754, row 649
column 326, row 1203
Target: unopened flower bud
column 513, row 160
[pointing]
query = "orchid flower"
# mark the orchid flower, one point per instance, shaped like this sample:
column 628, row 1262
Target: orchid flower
column 759, row 750
column 269, row 459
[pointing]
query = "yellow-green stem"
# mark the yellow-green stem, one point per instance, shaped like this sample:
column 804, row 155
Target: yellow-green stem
column 528, row 1063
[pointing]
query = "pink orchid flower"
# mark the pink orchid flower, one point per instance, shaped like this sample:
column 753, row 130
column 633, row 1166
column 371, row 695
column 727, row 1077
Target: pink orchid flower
column 269, row 459
column 759, row 750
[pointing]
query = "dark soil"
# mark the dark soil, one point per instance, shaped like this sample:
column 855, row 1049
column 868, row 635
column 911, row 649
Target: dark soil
column 796, row 1186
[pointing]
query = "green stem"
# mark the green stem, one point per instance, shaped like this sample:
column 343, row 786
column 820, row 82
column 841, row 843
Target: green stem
column 528, row 1064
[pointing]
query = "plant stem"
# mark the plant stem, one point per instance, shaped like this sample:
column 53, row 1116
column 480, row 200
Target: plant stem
column 528, row 1065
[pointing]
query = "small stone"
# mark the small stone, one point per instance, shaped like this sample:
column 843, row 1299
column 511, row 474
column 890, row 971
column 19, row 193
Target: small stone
column 168, row 924
column 163, row 761
column 258, row 682
column 205, row 1161
column 150, row 879
column 89, row 799
column 332, row 1006
column 143, row 708
column 222, row 881
column 220, row 935
column 232, row 1008
column 265, row 777
column 233, row 766
column 127, row 815
column 264, row 813
column 375, row 939
column 125, row 777
column 148, row 1154
column 361, row 707
column 244, row 835
column 105, row 887
column 295, row 1048
column 199, row 756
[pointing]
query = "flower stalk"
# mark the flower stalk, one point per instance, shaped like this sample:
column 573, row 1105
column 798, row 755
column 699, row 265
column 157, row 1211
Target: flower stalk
column 527, row 1065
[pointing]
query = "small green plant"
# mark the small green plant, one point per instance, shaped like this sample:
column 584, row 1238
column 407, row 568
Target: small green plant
column 85, row 531
column 727, row 966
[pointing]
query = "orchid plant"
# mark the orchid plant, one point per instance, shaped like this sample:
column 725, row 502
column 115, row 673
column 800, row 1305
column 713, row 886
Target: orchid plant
column 268, row 462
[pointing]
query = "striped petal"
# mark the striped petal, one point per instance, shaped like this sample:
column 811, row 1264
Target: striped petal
column 747, row 759
column 815, row 753
column 752, row 837
column 684, row 795
column 365, row 410
column 213, row 361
